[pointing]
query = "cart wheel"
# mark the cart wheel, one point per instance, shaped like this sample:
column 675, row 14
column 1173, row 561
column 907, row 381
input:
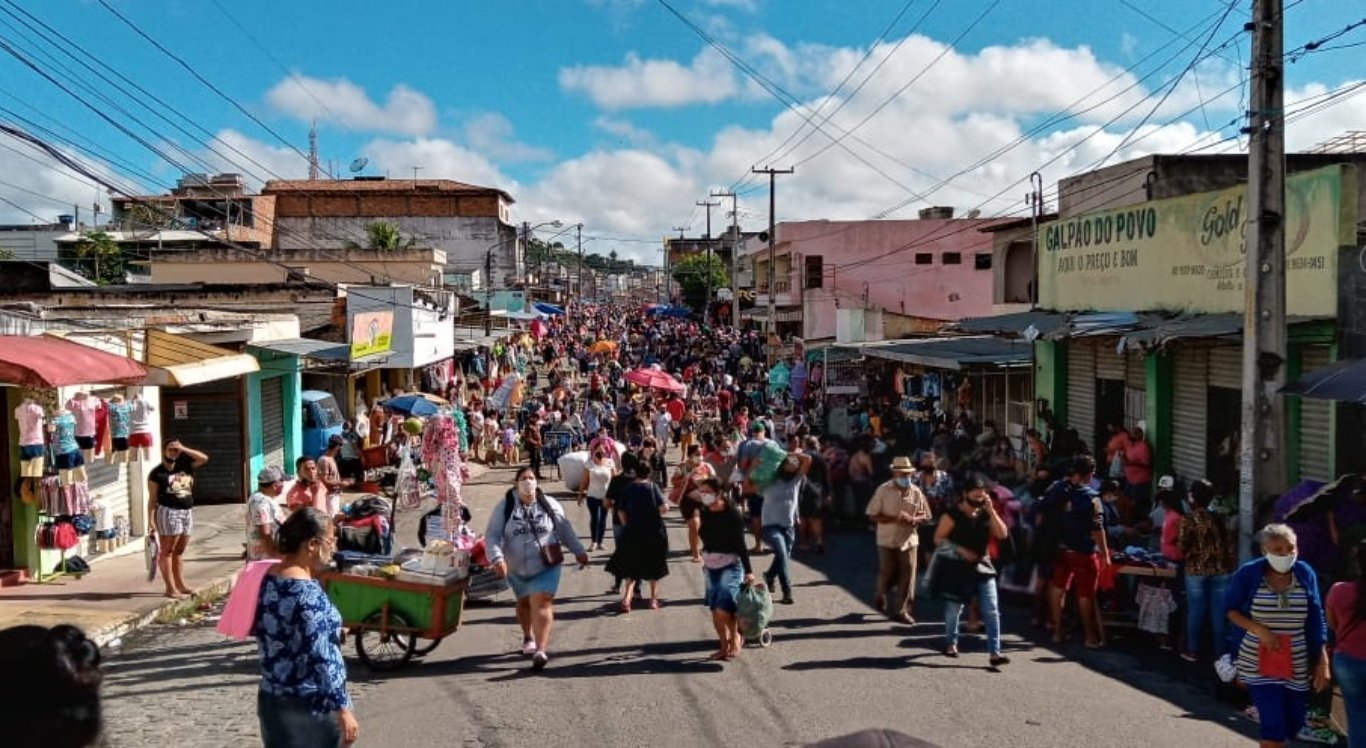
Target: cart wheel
column 384, row 651
column 765, row 638
column 424, row 649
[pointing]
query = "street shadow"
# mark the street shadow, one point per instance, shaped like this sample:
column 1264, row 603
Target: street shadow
column 850, row 663
column 84, row 596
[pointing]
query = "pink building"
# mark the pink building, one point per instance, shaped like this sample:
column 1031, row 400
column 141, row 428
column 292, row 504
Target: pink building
column 899, row 277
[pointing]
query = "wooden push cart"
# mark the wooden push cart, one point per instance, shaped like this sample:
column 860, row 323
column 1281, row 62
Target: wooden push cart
column 387, row 617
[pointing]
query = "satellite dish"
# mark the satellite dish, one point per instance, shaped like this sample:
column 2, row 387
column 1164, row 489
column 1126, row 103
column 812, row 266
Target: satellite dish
column 359, row 164
column 974, row 213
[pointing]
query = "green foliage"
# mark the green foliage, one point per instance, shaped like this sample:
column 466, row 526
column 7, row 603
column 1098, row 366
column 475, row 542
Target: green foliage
column 386, row 237
column 5, row 254
column 98, row 257
column 692, row 274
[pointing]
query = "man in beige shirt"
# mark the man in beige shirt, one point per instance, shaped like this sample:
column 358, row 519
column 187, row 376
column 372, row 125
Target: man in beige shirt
column 898, row 508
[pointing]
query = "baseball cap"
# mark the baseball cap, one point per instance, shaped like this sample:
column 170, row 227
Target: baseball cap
column 1166, row 483
column 756, row 427
column 269, row 475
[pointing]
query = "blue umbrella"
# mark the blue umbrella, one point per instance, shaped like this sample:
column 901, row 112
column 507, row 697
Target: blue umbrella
column 550, row 309
column 411, row 405
column 1344, row 381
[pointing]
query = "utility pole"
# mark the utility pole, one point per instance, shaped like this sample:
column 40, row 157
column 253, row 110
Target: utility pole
column 1262, row 444
column 706, row 306
column 578, row 240
column 488, row 291
column 734, row 256
column 1035, row 201
column 668, row 265
column 772, row 237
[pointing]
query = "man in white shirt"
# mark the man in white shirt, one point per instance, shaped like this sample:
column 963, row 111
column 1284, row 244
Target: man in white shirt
column 898, row 508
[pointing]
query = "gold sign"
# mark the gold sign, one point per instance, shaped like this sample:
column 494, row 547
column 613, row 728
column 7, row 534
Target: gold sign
column 1186, row 254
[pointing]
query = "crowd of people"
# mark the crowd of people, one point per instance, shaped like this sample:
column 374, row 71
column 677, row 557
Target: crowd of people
column 745, row 465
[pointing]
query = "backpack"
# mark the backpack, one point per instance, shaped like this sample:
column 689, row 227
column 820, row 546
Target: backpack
column 1048, row 532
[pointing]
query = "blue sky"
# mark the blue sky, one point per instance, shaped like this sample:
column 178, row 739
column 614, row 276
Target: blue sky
column 616, row 113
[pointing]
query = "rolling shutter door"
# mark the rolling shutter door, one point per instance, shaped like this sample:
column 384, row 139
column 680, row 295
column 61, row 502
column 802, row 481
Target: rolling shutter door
column 1226, row 367
column 1316, row 421
column 1135, row 388
column 108, row 482
column 1109, row 365
column 273, row 421
column 212, row 424
column 1081, row 389
column 1189, row 406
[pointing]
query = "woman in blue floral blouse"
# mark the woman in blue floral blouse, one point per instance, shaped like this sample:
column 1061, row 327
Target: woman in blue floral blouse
column 303, row 700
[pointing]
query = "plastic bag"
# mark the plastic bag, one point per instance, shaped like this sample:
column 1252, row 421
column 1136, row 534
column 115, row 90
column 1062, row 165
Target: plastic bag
column 753, row 610
column 766, row 464
column 407, row 487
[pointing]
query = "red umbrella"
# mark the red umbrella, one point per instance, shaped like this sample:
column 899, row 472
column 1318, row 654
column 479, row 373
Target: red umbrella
column 46, row 361
column 654, row 378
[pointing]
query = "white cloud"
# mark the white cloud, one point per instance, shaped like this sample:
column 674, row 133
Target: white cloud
column 626, row 131
column 493, row 135
column 253, row 159
column 745, row 5
column 708, row 79
column 38, row 189
column 1128, row 45
column 405, row 112
column 439, row 159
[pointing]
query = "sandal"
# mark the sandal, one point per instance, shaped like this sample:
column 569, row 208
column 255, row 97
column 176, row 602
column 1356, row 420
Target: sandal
column 950, row 651
column 654, row 604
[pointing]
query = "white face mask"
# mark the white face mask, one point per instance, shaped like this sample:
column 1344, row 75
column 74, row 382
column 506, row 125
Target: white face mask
column 526, row 486
column 1281, row 564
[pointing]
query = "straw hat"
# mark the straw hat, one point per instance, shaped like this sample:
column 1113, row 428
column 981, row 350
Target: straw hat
column 902, row 464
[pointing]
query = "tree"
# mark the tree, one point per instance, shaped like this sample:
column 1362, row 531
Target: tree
column 5, row 254
column 692, row 274
column 99, row 258
column 384, row 236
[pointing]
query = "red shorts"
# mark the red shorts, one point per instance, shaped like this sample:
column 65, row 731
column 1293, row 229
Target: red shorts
column 140, row 440
column 1083, row 569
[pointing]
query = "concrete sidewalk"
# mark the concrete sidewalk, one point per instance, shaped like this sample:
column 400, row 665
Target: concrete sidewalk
column 115, row 597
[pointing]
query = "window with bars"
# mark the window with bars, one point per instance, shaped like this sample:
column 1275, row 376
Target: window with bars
column 815, row 272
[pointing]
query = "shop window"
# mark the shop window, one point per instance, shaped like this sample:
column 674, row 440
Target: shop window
column 952, row 258
column 815, row 271
column 982, row 261
column 924, row 258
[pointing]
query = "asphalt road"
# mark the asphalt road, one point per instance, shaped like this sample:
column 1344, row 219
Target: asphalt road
column 642, row 679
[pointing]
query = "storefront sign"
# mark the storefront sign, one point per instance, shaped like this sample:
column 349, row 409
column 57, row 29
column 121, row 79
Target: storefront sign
column 371, row 332
column 1186, row 254
column 180, row 410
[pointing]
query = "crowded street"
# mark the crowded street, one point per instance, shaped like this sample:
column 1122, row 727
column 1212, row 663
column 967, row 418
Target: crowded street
column 642, row 679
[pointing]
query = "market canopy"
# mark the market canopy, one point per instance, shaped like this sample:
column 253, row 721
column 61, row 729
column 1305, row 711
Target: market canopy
column 55, row 362
column 955, row 353
column 178, row 361
column 318, row 350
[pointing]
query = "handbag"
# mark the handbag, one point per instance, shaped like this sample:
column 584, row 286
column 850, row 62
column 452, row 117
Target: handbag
column 1276, row 663
column 552, row 554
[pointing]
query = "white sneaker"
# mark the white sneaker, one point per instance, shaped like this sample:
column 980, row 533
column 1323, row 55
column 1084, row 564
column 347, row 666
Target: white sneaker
column 528, row 647
column 539, row 660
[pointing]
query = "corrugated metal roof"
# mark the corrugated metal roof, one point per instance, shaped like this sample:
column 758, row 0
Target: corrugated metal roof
column 1046, row 323
column 951, row 353
column 321, row 350
column 333, row 186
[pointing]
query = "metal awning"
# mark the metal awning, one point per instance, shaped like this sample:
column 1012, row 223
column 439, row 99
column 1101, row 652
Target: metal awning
column 318, row 350
column 178, row 361
column 954, row 353
column 779, row 315
column 1044, row 323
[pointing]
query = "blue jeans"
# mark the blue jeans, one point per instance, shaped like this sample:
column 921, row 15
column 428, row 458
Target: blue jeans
column 1280, row 711
column 287, row 723
column 991, row 616
column 597, row 520
column 1205, row 598
column 780, row 539
column 1350, row 673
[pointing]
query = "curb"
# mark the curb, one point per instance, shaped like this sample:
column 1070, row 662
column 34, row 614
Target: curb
column 171, row 609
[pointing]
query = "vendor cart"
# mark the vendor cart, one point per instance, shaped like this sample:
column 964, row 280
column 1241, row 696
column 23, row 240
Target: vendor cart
column 387, row 617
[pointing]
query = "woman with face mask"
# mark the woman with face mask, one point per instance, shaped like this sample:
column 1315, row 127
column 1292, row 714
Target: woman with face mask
column 969, row 527
column 302, row 700
column 524, row 530
column 1279, row 634
column 691, row 472
column 725, row 563
column 600, row 470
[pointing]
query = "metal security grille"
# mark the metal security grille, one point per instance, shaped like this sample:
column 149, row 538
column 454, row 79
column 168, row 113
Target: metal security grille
column 273, row 422
column 1081, row 389
column 1190, row 393
column 210, row 420
column 1316, row 421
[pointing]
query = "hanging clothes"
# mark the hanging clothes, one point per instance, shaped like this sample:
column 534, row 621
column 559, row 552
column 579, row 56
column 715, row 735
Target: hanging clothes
column 1155, row 608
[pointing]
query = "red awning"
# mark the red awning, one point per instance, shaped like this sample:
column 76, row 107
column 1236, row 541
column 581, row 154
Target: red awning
column 54, row 362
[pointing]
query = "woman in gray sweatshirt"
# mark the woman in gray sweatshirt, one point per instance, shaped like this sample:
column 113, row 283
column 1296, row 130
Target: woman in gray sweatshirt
column 524, row 523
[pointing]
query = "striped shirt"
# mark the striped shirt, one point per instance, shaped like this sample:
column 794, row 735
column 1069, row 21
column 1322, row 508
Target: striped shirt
column 1283, row 613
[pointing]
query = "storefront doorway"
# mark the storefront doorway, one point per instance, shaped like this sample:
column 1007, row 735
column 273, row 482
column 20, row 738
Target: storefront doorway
column 1109, row 409
column 1224, row 407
